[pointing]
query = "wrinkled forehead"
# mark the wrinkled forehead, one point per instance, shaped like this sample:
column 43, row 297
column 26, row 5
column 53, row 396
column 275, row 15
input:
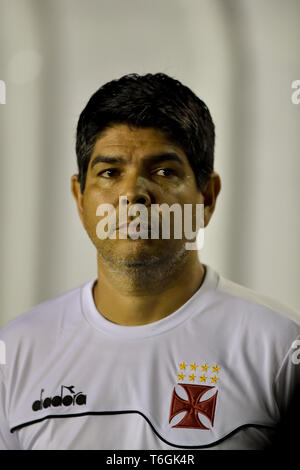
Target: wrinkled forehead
column 122, row 139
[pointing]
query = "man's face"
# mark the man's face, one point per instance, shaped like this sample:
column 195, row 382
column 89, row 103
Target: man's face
column 150, row 169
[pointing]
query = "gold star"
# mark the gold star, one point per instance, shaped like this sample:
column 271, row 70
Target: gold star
column 182, row 365
column 192, row 377
column 216, row 368
column 193, row 366
column 214, row 379
column 180, row 376
column 204, row 367
column 202, row 378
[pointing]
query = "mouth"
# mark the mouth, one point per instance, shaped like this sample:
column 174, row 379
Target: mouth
column 140, row 226
column 122, row 226
column 139, row 232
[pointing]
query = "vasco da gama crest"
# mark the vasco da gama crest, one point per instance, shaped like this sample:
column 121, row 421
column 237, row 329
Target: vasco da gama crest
column 195, row 405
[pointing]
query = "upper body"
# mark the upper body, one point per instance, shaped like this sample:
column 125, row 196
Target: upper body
column 226, row 353
column 146, row 143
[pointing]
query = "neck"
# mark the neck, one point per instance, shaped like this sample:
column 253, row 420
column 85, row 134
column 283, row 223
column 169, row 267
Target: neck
column 146, row 295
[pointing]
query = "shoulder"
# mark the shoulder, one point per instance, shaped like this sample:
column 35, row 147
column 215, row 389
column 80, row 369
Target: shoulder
column 257, row 312
column 256, row 300
column 44, row 317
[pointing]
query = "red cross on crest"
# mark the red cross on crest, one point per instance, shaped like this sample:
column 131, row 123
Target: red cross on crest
column 193, row 406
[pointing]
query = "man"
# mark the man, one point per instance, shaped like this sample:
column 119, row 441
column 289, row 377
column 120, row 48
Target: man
column 160, row 351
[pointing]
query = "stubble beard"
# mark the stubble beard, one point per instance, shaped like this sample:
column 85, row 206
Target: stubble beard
column 144, row 271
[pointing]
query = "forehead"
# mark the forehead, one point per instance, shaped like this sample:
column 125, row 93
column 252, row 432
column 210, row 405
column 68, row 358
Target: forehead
column 121, row 139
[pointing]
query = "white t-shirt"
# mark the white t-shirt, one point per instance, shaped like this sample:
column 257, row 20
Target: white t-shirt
column 215, row 374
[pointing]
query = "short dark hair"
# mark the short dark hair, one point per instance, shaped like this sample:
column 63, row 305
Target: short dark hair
column 151, row 100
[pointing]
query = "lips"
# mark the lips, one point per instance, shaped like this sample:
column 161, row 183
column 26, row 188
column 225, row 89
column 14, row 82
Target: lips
column 121, row 226
column 139, row 226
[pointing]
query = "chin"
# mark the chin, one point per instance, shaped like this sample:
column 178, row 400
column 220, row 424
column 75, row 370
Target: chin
column 135, row 253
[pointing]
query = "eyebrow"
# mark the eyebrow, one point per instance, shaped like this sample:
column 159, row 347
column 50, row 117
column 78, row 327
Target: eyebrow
column 169, row 156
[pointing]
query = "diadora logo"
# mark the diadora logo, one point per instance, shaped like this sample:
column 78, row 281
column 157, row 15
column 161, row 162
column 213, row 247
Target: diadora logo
column 60, row 400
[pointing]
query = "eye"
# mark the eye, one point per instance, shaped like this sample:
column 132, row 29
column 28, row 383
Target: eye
column 111, row 170
column 169, row 171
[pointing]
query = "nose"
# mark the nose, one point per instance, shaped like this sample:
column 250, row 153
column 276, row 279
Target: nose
column 136, row 193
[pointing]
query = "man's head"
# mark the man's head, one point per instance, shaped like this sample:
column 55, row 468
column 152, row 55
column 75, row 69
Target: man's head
column 152, row 100
column 150, row 139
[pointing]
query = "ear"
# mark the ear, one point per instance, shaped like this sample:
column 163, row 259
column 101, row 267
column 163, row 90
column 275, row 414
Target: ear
column 78, row 196
column 210, row 194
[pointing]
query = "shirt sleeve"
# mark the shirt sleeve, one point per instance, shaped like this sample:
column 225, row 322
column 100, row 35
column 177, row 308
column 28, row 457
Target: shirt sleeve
column 8, row 441
column 287, row 394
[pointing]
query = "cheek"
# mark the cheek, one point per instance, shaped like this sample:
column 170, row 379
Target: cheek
column 189, row 196
column 101, row 194
column 90, row 205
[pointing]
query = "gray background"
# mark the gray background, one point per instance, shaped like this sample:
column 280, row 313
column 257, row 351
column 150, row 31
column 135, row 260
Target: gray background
column 239, row 56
